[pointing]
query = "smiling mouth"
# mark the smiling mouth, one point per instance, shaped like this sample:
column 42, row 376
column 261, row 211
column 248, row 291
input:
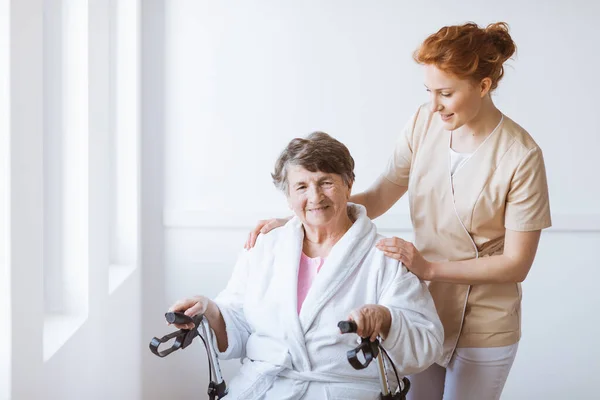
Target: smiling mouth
column 317, row 209
column 446, row 116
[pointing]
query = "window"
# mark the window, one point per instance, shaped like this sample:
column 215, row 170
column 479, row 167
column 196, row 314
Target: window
column 125, row 141
column 66, row 158
column 91, row 160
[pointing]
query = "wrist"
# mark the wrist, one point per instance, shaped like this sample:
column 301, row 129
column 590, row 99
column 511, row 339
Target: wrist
column 212, row 312
column 387, row 322
column 431, row 271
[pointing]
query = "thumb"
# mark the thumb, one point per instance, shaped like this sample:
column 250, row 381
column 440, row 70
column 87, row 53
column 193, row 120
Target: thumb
column 355, row 316
column 181, row 305
column 196, row 309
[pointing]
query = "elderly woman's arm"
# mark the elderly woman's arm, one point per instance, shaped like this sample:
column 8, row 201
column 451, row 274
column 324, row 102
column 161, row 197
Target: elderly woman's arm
column 416, row 336
column 225, row 314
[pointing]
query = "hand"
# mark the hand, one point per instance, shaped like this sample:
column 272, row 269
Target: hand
column 372, row 321
column 263, row 226
column 191, row 307
column 407, row 254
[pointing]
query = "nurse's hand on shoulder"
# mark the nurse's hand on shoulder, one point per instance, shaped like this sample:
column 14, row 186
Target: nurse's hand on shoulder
column 191, row 307
column 407, row 254
column 372, row 320
column 263, row 226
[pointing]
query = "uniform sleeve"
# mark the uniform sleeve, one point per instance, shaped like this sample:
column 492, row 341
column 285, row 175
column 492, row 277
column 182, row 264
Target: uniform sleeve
column 231, row 304
column 416, row 336
column 398, row 166
column 528, row 204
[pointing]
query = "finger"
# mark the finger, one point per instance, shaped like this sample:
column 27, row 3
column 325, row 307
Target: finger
column 355, row 316
column 391, row 241
column 269, row 226
column 374, row 335
column 254, row 233
column 196, row 309
column 386, row 242
column 395, row 256
column 252, row 240
column 182, row 305
column 365, row 322
column 369, row 329
column 400, row 256
column 376, row 329
column 399, row 243
column 390, row 249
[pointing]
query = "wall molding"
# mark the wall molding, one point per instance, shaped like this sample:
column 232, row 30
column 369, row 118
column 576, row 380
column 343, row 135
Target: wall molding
column 394, row 222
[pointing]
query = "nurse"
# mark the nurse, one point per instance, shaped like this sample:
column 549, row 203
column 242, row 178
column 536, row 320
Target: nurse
column 478, row 200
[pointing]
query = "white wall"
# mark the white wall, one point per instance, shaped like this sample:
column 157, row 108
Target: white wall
column 26, row 197
column 241, row 79
column 5, row 293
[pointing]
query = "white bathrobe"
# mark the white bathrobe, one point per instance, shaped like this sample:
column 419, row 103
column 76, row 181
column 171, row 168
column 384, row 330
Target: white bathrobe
column 290, row 356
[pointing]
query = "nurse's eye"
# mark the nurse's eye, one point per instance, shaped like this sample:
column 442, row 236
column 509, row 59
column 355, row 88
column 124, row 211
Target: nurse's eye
column 446, row 94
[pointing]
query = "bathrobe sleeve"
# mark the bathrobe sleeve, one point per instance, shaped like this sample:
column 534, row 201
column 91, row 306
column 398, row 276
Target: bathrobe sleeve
column 231, row 305
column 416, row 335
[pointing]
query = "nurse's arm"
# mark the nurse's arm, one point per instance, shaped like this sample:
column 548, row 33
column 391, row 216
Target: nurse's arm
column 380, row 197
column 511, row 266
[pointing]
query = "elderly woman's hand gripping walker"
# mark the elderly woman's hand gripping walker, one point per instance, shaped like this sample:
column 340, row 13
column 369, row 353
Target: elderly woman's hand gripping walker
column 197, row 325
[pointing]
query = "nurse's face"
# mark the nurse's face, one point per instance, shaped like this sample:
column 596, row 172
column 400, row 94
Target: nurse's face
column 457, row 101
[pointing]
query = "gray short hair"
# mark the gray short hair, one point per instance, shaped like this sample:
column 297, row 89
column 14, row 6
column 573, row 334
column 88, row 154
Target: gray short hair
column 317, row 152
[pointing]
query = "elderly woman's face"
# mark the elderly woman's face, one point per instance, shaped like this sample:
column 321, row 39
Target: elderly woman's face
column 317, row 198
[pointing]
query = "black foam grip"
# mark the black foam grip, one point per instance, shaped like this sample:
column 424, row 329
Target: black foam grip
column 178, row 318
column 347, row 326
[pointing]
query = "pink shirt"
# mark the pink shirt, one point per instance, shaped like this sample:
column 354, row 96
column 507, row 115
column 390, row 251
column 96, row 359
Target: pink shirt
column 309, row 268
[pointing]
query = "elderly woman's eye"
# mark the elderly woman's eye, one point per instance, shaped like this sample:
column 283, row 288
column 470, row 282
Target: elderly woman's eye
column 327, row 183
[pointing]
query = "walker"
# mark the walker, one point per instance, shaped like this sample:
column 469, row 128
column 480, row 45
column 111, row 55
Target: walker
column 217, row 388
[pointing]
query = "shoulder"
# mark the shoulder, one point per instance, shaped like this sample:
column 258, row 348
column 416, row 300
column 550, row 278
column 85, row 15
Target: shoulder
column 268, row 241
column 524, row 144
column 389, row 266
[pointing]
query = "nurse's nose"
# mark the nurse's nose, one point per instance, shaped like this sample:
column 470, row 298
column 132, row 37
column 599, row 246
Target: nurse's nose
column 435, row 106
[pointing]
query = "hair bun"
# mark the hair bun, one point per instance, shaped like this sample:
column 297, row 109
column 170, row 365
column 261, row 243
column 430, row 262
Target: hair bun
column 468, row 51
column 498, row 34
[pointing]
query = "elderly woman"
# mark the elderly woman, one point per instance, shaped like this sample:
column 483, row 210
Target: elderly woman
column 280, row 309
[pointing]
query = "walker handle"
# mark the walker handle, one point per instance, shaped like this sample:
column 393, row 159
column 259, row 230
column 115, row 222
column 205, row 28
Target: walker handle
column 370, row 350
column 178, row 318
column 347, row 326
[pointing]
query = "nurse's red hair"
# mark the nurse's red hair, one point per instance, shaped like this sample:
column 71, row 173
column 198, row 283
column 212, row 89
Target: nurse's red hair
column 468, row 51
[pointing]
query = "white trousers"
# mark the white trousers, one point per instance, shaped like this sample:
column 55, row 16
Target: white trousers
column 472, row 374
